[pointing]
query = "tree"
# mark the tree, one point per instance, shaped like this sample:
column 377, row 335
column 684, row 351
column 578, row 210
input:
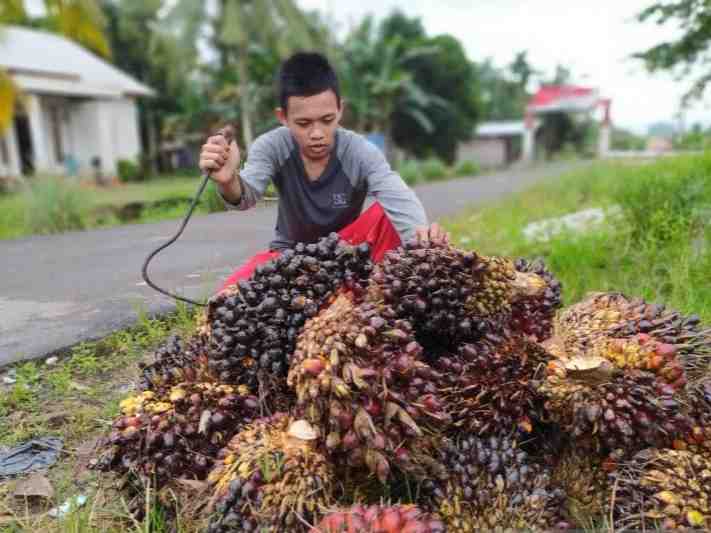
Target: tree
column 522, row 70
column 692, row 49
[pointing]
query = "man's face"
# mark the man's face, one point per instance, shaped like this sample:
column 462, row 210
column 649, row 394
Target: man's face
column 312, row 121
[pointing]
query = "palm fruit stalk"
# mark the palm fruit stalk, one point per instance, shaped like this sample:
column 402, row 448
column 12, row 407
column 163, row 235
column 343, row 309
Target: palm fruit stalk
column 360, row 380
column 271, row 478
column 493, row 484
column 532, row 316
column 487, row 387
column 612, row 410
column 584, row 479
column 176, row 361
column 253, row 326
column 379, row 519
column 667, row 489
column 178, row 434
column 614, row 315
column 450, row 295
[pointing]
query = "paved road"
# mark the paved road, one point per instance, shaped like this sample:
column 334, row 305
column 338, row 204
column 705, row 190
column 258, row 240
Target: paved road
column 60, row 290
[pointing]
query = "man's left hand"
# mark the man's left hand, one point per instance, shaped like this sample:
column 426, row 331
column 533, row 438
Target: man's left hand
column 432, row 233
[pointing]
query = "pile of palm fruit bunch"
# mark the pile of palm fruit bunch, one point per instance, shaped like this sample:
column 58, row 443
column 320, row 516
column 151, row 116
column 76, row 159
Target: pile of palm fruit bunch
column 438, row 390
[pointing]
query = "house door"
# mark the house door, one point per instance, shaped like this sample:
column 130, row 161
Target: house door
column 24, row 144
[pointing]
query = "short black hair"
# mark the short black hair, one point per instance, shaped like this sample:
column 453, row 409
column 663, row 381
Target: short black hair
column 306, row 74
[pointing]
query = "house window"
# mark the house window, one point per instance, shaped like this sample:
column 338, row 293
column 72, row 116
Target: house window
column 55, row 117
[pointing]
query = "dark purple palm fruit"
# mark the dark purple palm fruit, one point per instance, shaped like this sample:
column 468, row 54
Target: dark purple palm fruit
column 533, row 315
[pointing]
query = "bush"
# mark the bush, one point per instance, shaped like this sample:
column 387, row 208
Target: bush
column 54, row 206
column 410, row 171
column 128, row 171
column 467, row 168
column 433, row 169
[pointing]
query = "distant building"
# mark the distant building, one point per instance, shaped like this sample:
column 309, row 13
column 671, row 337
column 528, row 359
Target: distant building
column 659, row 144
column 494, row 144
column 77, row 110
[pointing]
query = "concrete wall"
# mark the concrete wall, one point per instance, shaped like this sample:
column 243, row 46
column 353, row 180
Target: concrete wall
column 486, row 152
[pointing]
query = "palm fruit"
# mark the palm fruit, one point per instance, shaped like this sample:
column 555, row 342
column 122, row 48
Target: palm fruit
column 271, row 478
column 614, row 315
column 583, row 477
column 487, row 387
column 533, row 316
column 494, row 484
column 644, row 353
column 359, row 378
column 176, row 361
column 254, row 325
column 450, row 295
column 670, row 489
column 379, row 519
column 177, row 434
column 612, row 410
column 698, row 402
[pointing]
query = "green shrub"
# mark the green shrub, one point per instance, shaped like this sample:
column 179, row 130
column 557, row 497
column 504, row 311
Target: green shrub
column 409, row 170
column 433, row 169
column 128, row 171
column 54, row 206
column 467, row 168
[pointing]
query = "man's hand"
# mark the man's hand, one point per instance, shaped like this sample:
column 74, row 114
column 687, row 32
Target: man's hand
column 432, row 233
column 220, row 159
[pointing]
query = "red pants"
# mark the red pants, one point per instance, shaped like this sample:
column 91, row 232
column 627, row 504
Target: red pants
column 372, row 226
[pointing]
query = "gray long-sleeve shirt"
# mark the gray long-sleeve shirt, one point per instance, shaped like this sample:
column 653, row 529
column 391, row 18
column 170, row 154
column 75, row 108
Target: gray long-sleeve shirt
column 309, row 210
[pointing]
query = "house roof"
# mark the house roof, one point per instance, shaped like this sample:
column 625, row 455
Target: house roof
column 43, row 62
column 563, row 98
column 501, row 128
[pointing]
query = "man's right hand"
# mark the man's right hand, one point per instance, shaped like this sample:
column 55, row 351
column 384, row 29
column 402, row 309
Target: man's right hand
column 220, row 159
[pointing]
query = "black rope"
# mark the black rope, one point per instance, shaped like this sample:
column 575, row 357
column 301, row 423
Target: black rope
column 144, row 270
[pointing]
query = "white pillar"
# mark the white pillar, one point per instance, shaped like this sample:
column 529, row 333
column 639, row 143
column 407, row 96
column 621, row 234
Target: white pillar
column 105, row 122
column 603, row 141
column 14, row 167
column 529, row 138
column 38, row 133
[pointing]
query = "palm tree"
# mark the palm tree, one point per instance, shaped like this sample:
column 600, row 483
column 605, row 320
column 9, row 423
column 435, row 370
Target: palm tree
column 78, row 20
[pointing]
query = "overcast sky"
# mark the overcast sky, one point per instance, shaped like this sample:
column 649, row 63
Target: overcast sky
column 595, row 39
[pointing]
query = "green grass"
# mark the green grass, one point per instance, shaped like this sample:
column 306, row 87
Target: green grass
column 76, row 399
column 660, row 249
column 21, row 213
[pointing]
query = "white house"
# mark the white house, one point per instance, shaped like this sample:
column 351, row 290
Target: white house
column 75, row 107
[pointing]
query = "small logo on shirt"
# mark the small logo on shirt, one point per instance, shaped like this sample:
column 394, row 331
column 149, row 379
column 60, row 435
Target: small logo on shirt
column 340, row 199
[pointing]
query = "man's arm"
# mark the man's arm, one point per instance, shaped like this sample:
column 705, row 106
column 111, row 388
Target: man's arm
column 399, row 201
column 240, row 189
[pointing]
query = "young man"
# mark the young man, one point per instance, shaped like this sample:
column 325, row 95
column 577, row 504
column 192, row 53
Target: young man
column 322, row 172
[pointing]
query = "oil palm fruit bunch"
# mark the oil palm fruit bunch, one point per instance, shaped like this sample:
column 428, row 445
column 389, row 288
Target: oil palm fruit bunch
column 449, row 295
column 487, row 387
column 176, row 434
column 176, row 361
column 670, row 489
column 615, row 315
column 494, row 484
column 613, row 410
column 359, row 378
column 254, row 326
column 645, row 353
column 533, row 315
column 379, row 519
column 271, row 478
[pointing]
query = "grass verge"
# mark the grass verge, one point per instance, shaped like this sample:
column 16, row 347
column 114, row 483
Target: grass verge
column 76, row 399
column 659, row 248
